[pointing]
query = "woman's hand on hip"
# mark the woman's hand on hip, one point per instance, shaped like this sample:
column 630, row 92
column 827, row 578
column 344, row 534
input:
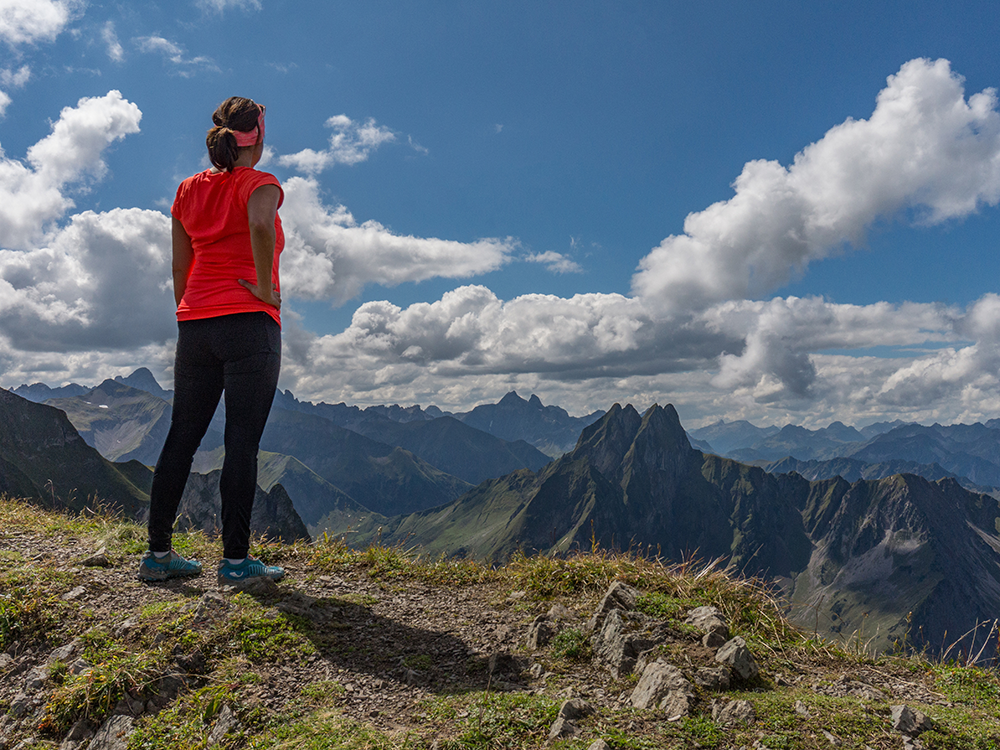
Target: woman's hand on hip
column 268, row 296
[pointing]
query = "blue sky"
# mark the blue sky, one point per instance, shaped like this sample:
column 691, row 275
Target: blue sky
column 750, row 210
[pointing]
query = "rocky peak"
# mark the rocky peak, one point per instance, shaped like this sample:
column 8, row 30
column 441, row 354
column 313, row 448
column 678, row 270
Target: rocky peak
column 606, row 442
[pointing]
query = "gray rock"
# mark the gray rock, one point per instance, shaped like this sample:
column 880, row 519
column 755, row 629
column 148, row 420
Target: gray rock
column 710, row 620
column 65, row 652
column 801, row 710
column 713, row 678
column 600, row 745
column 907, row 721
column 734, row 712
column 113, row 734
column 832, row 738
column 226, row 722
column 19, row 705
column 663, row 685
column 735, row 655
column 540, row 632
column 714, row 639
column 79, row 732
column 562, row 728
column 612, row 647
column 210, row 607
column 36, row 679
column 97, row 560
column 618, row 596
column 574, row 709
column 75, row 593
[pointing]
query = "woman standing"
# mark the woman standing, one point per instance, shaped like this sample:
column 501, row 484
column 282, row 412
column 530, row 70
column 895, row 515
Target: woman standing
column 226, row 241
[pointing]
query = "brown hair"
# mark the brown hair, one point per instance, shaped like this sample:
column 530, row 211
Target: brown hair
column 236, row 113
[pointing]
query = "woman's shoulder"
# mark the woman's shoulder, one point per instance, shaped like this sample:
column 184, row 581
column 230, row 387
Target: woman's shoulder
column 255, row 176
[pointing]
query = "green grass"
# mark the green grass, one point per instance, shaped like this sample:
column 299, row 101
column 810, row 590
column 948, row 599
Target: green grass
column 242, row 641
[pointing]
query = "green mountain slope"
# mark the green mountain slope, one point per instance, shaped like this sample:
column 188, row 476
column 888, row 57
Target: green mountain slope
column 43, row 457
column 456, row 448
column 387, row 480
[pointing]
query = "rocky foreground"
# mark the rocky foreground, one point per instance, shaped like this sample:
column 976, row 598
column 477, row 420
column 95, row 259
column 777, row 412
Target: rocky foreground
column 376, row 649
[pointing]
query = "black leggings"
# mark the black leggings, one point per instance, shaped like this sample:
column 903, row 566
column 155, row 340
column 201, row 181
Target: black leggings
column 241, row 355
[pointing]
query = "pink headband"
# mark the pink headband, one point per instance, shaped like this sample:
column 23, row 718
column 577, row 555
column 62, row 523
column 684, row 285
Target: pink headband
column 246, row 138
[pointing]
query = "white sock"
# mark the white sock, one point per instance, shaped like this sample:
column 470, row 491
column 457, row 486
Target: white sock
column 231, row 561
column 160, row 554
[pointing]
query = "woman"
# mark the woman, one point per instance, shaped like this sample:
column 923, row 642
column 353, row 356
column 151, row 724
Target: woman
column 226, row 241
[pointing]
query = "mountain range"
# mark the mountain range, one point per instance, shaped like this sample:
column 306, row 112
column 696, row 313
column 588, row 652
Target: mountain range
column 886, row 559
column 864, row 531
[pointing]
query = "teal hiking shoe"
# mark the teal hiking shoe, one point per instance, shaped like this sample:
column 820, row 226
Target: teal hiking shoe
column 153, row 568
column 249, row 569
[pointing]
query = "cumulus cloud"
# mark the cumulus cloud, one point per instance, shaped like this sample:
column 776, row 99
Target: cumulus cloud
column 329, row 255
column 925, row 152
column 29, row 21
column 555, row 262
column 102, row 282
column 184, row 66
column 351, row 142
column 33, row 195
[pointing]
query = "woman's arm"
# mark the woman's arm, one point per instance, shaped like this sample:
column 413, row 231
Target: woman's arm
column 183, row 258
column 261, row 210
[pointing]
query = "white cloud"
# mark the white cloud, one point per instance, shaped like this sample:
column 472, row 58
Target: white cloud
column 29, row 21
column 926, row 150
column 15, row 78
column 4, row 103
column 329, row 255
column 352, row 142
column 220, row 6
column 185, row 66
column 555, row 262
column 32, row 195
column 102, row 282
column 110, row 38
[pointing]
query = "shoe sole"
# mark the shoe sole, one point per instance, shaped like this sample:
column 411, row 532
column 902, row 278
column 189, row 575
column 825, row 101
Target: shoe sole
column 151, row 576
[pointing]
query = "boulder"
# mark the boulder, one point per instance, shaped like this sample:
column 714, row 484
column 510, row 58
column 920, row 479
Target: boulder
column 113, row 734
column 618, row 596
column 907, row 721
column 664, row 686
column 540, row 632
column 734, row 712
column 735, row 655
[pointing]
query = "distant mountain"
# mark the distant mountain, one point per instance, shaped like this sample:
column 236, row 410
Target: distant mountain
column 39, row 392
column 143, row 380
column 318, row 503
column 872, row 557
column 43, row 457
column 801, row 443
column 549, row 428
column 726, row 436
column 852, row 470
column 456, row 448
column 122, row 423
column 385, row 479
column 350, row 416
column 971, row 451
